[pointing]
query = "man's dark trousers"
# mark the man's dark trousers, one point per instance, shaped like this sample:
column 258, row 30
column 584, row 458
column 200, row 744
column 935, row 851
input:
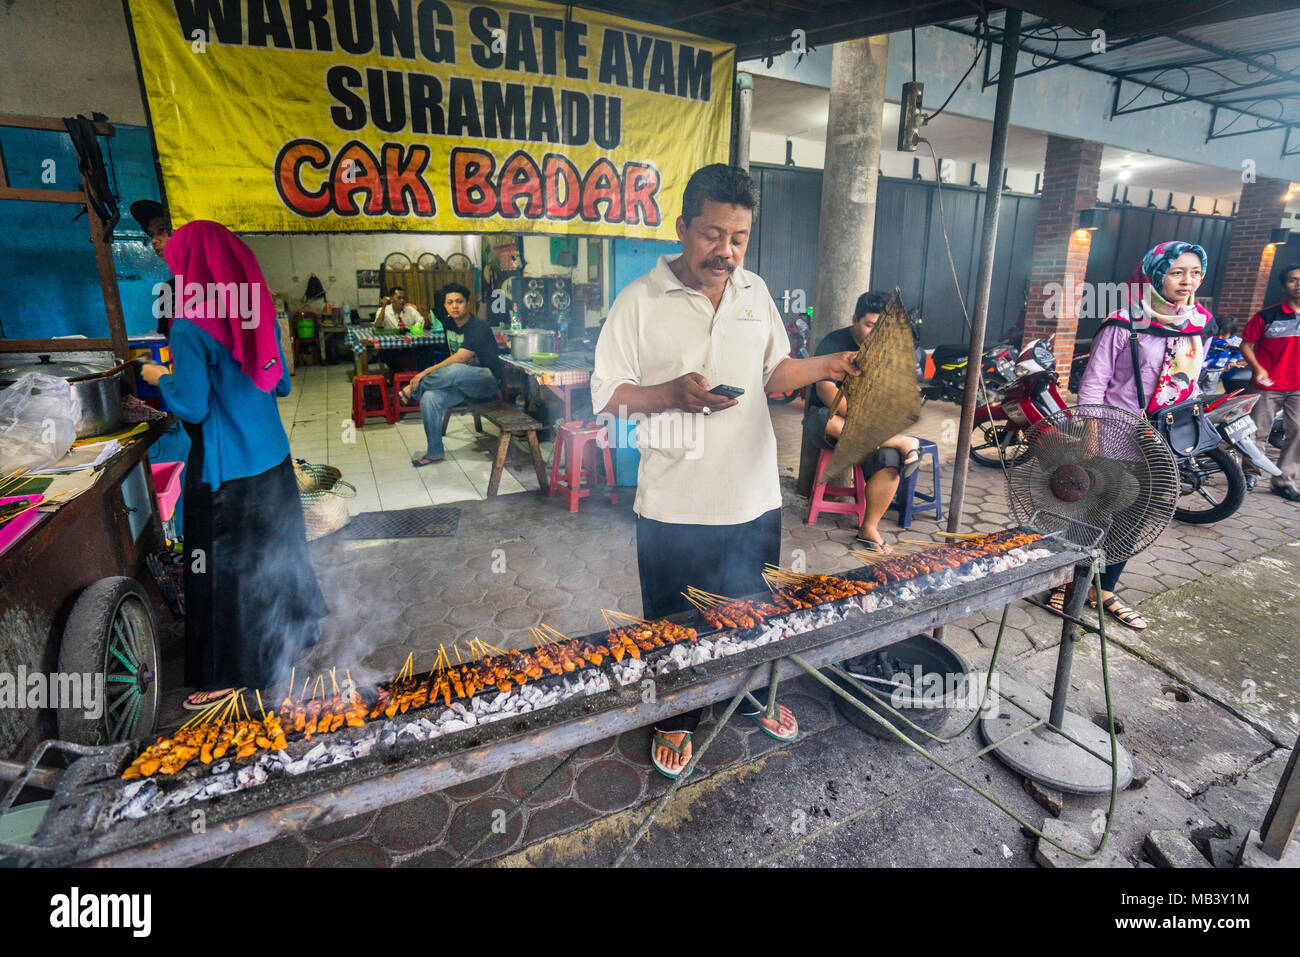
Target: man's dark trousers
column 723, row 559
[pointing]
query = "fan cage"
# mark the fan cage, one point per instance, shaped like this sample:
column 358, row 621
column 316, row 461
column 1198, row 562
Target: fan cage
column 1102, row 467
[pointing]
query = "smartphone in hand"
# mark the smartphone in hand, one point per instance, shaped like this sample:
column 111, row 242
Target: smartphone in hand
column 727, row 391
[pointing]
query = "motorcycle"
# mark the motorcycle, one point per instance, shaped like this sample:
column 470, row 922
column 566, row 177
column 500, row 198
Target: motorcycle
column 1000, row 424
column 948, row 381
column 1215, row 474
column 1224, row 366
column 799, row 330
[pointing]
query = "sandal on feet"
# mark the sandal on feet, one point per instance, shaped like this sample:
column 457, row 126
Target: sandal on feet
column 911, row 462
column 1121, row 612
column 424, row 460
column 873, row 545
column 1057, row 600
column 677, row 749
column 209, row 699
column 787, row 736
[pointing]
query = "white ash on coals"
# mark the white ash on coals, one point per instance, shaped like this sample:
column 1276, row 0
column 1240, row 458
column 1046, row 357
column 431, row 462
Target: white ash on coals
column 914, row 588
column 144, row 797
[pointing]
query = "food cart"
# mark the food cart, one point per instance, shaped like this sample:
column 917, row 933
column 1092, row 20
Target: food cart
column 76, row 599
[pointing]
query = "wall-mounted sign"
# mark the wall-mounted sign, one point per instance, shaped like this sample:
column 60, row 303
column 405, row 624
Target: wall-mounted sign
column 341, row 115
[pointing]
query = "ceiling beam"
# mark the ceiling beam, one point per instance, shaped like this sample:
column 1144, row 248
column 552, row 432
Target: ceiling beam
column 775, row 38
column 1066, row 12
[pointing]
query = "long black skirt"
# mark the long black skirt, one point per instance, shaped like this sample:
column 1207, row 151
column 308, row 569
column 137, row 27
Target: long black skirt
column 251, row 597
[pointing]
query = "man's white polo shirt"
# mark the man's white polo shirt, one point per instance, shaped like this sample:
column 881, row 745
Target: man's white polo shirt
column 695, row 469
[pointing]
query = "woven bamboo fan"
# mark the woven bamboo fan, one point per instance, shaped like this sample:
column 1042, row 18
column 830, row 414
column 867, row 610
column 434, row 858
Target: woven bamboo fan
column 885, row 399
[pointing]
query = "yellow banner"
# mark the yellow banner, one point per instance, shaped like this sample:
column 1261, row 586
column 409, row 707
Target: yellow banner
column 377, row 115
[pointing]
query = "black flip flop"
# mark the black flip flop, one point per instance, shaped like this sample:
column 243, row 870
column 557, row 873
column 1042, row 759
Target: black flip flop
column 424, row 460
column 909, row 468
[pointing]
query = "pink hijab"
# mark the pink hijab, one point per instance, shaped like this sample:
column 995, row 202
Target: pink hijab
column 241, row 314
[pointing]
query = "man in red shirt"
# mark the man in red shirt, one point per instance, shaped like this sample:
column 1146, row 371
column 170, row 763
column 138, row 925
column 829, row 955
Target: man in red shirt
column 1271, row 347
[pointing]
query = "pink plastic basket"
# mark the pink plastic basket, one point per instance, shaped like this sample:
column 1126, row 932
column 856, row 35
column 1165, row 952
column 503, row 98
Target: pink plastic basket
column 18, row 527
column 167, row 483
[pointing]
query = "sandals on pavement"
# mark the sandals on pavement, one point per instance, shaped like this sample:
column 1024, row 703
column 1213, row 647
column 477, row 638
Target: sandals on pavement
column 210, row 698
column 677, row 749
column 424, row 460
column 789, row 736
column 1121, row 612
column 1057, row 600
column 872, row 545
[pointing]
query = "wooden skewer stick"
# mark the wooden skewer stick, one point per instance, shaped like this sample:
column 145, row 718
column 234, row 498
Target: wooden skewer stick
column 259, row 704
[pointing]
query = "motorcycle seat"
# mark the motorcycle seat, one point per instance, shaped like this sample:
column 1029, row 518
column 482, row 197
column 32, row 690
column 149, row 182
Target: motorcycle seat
column 947, row 354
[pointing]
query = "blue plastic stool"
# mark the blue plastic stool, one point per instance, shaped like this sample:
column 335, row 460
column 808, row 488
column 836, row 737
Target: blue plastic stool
column 908, row 502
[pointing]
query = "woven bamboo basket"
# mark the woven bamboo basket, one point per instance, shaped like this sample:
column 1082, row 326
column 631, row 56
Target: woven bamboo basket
column 326, row 511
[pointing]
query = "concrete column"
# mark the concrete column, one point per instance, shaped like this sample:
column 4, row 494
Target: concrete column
column 848, row 213
column 744, row 117
column 1071, row 176
column 1250, row 254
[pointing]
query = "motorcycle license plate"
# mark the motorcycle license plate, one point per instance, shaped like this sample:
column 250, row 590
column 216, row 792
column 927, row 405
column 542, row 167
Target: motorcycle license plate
column 1239, row 426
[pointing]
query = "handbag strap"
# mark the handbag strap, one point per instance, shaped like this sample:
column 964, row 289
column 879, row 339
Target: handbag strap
column 1137, row 372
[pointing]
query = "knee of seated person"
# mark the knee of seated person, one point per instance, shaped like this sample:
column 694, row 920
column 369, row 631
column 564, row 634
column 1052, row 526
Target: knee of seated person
column 429, row 400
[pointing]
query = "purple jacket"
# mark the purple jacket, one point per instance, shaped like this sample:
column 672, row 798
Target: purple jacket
column 1108, row 380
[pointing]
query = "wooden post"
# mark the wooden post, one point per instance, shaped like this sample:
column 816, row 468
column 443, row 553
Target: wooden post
column 107, row 282
column 1284, row 813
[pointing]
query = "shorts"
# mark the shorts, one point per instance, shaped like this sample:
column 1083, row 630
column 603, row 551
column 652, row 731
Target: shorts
column 814, row 430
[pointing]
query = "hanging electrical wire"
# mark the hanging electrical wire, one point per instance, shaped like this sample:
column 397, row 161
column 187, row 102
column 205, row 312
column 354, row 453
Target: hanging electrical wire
column 982, row 42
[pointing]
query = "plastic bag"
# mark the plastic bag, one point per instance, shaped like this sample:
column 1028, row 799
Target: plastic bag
column 38, row 422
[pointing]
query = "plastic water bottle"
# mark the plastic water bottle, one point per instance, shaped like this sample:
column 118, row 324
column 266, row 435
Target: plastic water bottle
column 514, row 318
column 347, row 314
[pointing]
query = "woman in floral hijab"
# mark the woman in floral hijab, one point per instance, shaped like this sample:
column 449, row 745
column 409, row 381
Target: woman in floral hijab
column 1162, row 307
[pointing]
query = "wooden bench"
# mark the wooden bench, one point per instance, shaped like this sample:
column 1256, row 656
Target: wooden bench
column 512, row 422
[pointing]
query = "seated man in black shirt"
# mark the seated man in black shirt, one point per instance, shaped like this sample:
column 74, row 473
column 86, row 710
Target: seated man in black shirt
column 472, row 373
column 896, row 456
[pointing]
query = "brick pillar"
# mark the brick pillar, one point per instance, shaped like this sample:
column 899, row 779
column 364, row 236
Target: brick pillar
column 1071, row 177
column 1250, row 255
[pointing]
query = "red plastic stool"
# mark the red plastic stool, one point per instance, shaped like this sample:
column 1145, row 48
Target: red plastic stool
column 400, row 380
column 817, row 502
column 359, row 411
column 574, row 446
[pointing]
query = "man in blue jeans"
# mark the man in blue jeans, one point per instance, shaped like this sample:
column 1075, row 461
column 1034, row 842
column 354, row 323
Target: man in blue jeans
column 472, row 373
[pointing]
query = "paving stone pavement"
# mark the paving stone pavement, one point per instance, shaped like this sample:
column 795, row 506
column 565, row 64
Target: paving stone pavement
column 521, row 560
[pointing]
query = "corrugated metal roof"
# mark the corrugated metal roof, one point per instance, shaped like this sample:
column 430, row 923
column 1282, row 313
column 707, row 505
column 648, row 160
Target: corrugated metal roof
column 1247, row 68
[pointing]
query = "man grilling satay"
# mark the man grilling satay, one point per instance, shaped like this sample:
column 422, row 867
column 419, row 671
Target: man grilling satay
column 708, row 501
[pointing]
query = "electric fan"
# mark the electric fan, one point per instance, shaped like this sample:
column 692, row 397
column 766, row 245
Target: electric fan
column 1094, row 470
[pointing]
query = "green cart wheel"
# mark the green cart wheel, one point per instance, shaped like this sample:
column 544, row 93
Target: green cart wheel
column 110, row 634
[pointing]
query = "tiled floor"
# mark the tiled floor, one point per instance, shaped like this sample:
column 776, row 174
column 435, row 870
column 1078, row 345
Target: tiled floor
column 377, row 458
